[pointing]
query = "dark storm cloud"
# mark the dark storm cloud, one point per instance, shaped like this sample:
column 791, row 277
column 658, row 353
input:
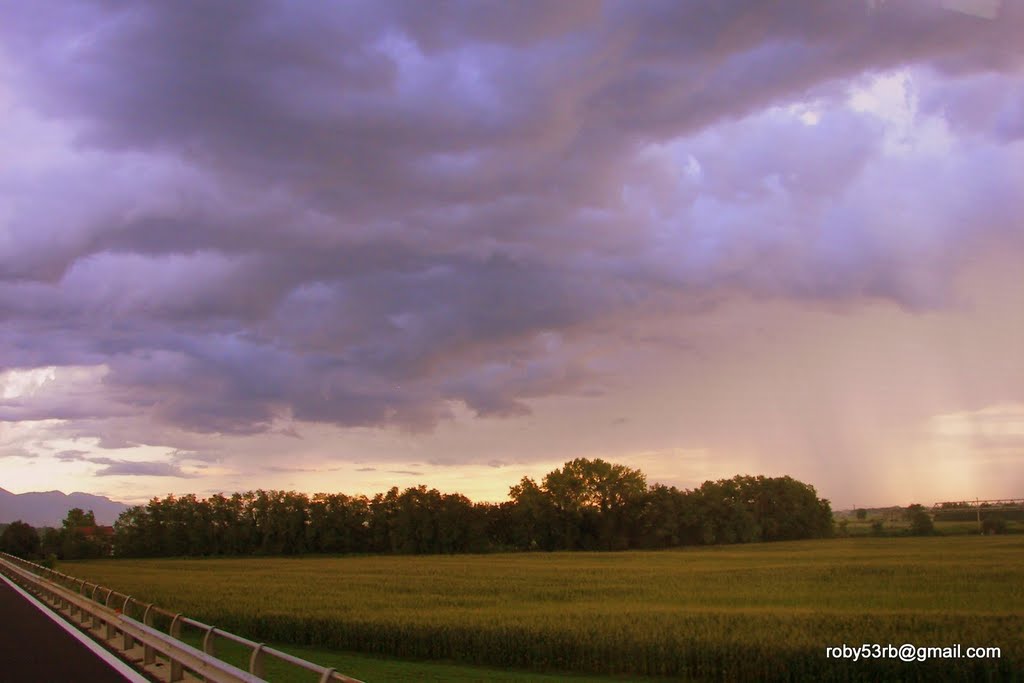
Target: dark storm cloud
column 360, row 213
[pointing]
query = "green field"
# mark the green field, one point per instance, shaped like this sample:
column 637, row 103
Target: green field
column 760, row 611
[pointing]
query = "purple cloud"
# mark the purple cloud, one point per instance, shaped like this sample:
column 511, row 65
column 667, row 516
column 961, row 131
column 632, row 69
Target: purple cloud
column 363, row 215
column 72, row 456
column 127, row 468
column 17, row 452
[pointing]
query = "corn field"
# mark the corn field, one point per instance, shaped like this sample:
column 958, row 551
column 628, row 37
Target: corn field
column 764, row 611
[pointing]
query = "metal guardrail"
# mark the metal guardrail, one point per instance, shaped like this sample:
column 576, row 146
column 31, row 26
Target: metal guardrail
column 105, row 613
column 994, row 505
column 977, row 507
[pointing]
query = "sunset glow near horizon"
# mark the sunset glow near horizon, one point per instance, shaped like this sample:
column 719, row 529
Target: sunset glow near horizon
column 344, row 248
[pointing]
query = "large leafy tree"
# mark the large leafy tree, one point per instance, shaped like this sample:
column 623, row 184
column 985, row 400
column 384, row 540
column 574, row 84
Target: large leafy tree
column 920, row 521
column 531, row 517
column 77, row 518
column 78, row 536
column 593, row 498
column 20, row 539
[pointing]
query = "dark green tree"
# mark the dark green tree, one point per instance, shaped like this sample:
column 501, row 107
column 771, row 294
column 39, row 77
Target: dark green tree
column 591, row 498
column 77, row 518
column 668, row 518
column 51, row 542
column 533, row 518
column 78, row 536
column 993, row 523
column 22, row 540
column 920, row 521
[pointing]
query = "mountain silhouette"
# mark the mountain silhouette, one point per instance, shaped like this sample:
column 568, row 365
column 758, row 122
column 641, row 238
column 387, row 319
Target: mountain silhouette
column 49, row 508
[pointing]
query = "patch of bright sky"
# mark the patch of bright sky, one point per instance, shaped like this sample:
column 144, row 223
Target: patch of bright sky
column 892, row 98
column 15, row 383
column 673, row 158
column 24, row 433
column 1005, row 420
column 673, row 155
column 974, row 453
column 41, row 440
column 26, row 383
column 21, row 474
column 809, row 113
column 931, row 473
column 47, row 472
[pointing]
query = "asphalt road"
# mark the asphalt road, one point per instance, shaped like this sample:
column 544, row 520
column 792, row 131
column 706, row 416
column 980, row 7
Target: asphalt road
column 35, row 649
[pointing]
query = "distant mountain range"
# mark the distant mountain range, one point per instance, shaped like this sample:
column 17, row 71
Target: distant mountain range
column 51, row 507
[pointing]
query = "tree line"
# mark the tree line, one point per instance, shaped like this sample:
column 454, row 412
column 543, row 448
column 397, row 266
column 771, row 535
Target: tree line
column 584, row 505
column 79, row 537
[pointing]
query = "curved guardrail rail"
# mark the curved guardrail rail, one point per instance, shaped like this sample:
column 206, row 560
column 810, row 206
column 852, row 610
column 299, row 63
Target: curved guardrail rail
column 129, row 626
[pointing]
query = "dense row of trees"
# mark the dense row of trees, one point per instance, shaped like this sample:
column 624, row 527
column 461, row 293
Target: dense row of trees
column 585, row 505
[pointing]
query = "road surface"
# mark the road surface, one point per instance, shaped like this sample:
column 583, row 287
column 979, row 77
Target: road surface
column 34, row 649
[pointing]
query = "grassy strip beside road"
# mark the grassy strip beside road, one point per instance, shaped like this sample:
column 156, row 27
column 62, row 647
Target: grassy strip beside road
column 752, row 611
column 383, row 670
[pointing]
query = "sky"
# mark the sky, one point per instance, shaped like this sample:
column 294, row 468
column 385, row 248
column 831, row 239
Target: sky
column 349, row 246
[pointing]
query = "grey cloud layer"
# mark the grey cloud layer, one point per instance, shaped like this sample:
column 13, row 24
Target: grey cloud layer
column 117, row 467
column 357, row 214
column 122, row 468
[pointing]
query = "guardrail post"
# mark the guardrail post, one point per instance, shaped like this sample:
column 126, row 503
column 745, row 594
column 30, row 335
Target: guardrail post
column 177, row 673
column 175, row 629
column 111, row 630
column 256, row 661
column 148, row 653
column 86, row 620
column 209, row 647
column 126, row 640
